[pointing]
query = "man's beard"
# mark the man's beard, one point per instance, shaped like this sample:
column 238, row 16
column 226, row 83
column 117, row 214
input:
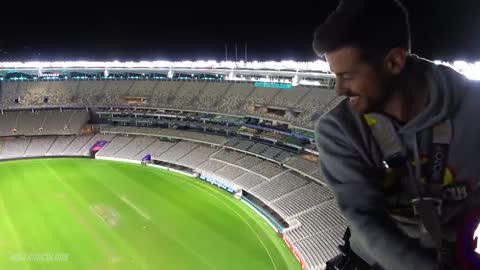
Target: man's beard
column 389, row 85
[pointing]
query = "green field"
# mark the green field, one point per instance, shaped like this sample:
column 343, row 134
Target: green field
column 92, row 214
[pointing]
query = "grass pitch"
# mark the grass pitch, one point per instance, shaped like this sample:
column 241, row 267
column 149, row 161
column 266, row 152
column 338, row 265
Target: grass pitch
column 93, row 214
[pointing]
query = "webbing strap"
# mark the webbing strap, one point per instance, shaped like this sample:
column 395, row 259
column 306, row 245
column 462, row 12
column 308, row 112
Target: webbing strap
column 427, row 208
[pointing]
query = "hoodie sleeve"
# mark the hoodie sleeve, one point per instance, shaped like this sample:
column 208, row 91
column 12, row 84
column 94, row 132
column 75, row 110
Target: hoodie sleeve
column 362, row 203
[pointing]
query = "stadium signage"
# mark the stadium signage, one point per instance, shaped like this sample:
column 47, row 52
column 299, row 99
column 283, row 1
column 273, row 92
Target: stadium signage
column 49, row 75
column 285, row 86
column 217, row 183
column 292, row 249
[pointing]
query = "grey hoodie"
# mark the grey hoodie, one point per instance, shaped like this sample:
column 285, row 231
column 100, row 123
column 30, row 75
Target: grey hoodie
column 351, row 161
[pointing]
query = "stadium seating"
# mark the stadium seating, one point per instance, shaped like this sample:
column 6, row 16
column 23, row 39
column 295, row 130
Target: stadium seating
column 73, row 149
column 156, row 148
column 59, row 146
column 279, row 186
column 28, row 123
column 318, row 249
column 293, row 196
column 197, row 156
column 267, row 169
column 248, row 162
column 14, row 148
column 302, row 200
column 249, row 180
column 224, row 97
column 312, row 221
column 134, row 147
column 284, row 180
column 114, row 146
column 39, row 146
column 211, row 96
column 170, row 133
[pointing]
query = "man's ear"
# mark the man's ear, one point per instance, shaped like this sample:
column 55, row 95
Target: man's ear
column 395, row 60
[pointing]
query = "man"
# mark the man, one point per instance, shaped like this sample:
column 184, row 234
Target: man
column 386, row 203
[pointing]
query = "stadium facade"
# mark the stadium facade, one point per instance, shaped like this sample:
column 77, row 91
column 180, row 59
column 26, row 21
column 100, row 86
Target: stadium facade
column 245, row 127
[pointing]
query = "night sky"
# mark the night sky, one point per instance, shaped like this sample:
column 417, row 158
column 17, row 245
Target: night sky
column 441, row 30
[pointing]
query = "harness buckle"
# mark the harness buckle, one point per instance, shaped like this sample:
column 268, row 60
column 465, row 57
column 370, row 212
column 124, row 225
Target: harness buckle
column 437, row 203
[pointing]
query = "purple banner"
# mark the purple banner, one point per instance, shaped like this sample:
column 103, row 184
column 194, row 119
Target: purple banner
column 98, row 145
column 147, row 157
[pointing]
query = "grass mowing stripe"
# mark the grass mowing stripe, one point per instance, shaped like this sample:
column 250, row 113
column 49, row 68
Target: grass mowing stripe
column 81, row 209
column 8, row 260
column 117, row 190
column 192, row 225
column 250, row 226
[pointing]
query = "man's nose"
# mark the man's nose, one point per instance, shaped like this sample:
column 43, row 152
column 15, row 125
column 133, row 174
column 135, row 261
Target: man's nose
column 339, row 88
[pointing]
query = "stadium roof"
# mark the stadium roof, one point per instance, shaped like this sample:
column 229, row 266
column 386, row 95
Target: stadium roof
column 316, row 69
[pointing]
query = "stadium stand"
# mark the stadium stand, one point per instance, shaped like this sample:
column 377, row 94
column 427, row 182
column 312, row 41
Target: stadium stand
column 249, row 180
column 313, row 221
column 228, row 155
column 197, row 156
column 224, row 97
column 303, row 165
column 73, row 149
column 28, row 123
column 60, row 145
column 155, row 149
column 294, row 197
column 98, row 137
column 134, row 147
column 53, row 113
column 8, row 93
column 279, row 186
column 90, row 92
column 177, row 151
column 235, row 97
column 14, row 148
column 141, row 89
column 164, row 93
column 229, row 172
column 270, row 152
column 39, row 146
column 7, row 123
column 187, row 93
column 261, row 96
column 289, row 98
column 210, row 166
column 267, row 169
column 248, row 162
column 301, row 200
column 318, row 249
column 167, row 133
column 114, row 146
column 211, row 96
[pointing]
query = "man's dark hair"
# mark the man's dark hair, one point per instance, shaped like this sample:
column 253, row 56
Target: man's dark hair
column 373, row 26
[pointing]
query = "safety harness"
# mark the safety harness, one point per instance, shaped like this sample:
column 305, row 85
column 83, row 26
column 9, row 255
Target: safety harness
column 426, row 197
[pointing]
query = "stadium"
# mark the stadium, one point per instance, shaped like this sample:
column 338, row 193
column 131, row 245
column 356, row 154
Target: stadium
column 183, row 165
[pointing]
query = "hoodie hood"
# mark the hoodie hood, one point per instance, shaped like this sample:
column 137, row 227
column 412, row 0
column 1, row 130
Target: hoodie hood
column 446, row 89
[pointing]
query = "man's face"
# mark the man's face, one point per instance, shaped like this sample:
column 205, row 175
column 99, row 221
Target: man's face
column 366, row 87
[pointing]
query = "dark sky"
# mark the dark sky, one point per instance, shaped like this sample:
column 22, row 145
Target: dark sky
column 441, row 29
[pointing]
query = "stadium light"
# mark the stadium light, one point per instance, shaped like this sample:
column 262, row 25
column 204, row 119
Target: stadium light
column 471, row 70
column 476, row 235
